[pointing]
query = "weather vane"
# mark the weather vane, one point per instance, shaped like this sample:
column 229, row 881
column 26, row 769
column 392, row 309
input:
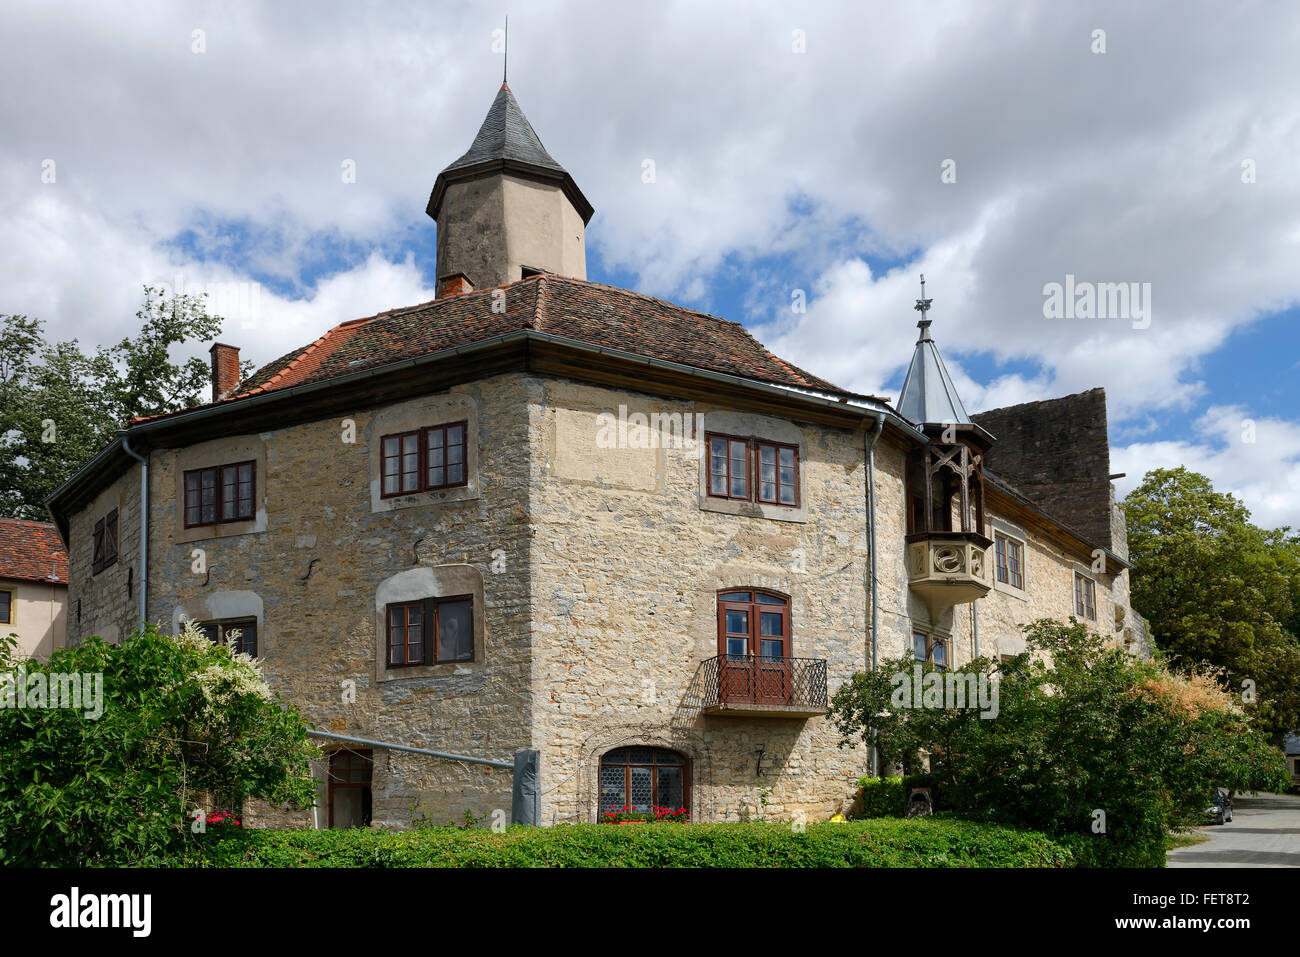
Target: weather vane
column 923, row 306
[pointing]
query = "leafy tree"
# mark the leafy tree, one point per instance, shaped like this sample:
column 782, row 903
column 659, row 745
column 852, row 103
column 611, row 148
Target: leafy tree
column 179, row 718
column 1080, row 727
column 1218, row 590
column 60, row 404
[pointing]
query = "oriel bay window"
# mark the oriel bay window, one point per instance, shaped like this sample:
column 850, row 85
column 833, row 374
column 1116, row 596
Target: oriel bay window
column 424, row 460
column 222, row 493
column 751, row 469
column 642, row 779
column 430, row 631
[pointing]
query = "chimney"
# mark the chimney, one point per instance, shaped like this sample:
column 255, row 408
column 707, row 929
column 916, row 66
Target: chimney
column 225, row 370
column 457, row 284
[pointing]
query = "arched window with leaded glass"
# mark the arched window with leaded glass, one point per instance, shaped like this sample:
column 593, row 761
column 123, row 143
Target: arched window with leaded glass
column 642, row 779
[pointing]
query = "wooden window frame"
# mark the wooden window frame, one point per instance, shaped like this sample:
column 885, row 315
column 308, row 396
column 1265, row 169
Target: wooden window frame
column 629, row 764
column 8, row 619
column 219, row 502
column 1004, row 547
column 1082, row 609
column 331, row 785
column 759, row 445
column 728, row 458
column 753, row 465
column 930, row 641
column 223, row 625
column 104, row 543
column 755, row 608
column 422, row 467
column 429, row 631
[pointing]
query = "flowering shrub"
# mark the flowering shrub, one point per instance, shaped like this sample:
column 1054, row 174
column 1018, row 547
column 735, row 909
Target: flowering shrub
column 626, row 813
column 185, row 721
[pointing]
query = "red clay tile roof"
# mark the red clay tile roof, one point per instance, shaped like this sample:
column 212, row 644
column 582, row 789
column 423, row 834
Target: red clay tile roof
column 588, row 312
column 31, row 551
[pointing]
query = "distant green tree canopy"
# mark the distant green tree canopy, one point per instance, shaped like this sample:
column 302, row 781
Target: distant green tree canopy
column 60, row 403
column 1218, row 590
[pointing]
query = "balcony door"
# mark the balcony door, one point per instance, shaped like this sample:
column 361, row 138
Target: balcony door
column 754, row 648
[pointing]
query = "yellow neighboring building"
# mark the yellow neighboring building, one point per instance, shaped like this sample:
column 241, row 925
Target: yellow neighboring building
column 33, row 586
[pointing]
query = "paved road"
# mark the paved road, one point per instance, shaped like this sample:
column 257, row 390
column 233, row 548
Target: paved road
column 1265, row 832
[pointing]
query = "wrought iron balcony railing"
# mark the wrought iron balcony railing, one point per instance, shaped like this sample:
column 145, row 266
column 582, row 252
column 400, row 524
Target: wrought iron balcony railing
column 759, row 685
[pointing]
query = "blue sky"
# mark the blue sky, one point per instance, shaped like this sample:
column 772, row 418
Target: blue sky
column 795, row 148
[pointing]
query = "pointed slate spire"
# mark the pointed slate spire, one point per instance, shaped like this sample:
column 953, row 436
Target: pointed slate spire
column 928, row 396
column 506, row 134
column 507, row 141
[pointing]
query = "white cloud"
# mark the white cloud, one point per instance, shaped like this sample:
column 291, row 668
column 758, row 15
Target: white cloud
column 1124, row 166
column 1258, row 460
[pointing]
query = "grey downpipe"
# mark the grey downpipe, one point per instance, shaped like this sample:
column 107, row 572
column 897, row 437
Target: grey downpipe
column 975, row 624
column 144, row 528
column 875, row 588
column 388, row 745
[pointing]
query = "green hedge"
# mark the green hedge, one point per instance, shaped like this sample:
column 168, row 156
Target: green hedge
column 882, row 797
column 930, row 842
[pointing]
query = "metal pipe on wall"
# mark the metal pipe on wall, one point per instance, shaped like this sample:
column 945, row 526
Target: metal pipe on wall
column 875, row 586
column 144, row 528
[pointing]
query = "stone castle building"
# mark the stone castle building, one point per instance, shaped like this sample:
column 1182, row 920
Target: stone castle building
column 542, row 512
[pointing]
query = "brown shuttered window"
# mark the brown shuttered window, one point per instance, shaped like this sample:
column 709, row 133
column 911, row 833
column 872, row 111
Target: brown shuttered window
column 104, row 552
column 222, row 493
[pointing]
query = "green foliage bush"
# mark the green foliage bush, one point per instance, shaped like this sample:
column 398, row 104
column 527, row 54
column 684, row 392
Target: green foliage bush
column 882, row 797
column 181, row 717
column 923, row 842
column 1081, row 728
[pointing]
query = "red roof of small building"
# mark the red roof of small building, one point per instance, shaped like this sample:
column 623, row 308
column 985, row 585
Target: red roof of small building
column 587, row 312
column 32, row 551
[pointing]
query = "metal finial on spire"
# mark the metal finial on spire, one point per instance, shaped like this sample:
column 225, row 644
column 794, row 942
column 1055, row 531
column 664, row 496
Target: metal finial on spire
column 923, row 306
column 505, row 53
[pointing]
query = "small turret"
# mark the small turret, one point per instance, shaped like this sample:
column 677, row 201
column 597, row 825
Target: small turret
column 506, row 209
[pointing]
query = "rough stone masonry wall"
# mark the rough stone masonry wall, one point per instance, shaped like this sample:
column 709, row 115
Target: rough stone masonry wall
column 1048, row 593
column 1057, row 453
column 106, row 604
column 626, row 567
column 598, row 570
column 329, row 548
